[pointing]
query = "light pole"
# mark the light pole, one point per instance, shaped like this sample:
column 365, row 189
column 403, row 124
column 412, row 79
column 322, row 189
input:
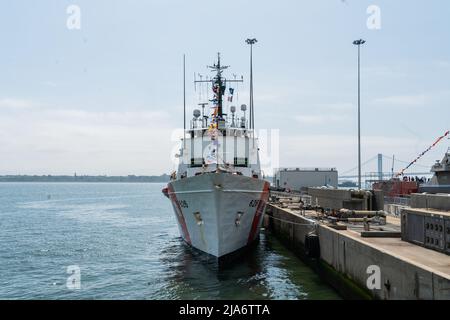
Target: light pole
column 359, row 43
column 251, row 42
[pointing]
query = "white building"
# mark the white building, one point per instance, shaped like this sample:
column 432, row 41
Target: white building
column 298, row 178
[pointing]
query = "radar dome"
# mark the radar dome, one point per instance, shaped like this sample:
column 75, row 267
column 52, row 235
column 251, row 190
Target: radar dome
column 196, row 113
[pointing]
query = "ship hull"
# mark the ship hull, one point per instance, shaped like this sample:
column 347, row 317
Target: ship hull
column 219, row 213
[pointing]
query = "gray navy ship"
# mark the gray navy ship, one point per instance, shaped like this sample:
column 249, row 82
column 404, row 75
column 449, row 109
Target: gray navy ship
column 440, row 182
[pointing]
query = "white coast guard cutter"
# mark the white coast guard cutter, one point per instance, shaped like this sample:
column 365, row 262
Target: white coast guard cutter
column 218, row 193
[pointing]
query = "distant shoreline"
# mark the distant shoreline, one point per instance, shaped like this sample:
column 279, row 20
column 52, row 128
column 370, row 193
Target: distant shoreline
column 117, row 179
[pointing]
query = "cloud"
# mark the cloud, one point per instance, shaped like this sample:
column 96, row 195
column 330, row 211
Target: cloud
column 13, row 103
column 49, row 84
column 325, row 113
column 323, row 118
column 385, row 71
column 60, row 141
column 402, row 100
column 340, row 107
column 442, row 63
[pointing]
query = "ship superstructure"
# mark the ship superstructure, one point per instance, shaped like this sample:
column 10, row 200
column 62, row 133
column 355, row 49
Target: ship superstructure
column 440, row 182
column 441, row 170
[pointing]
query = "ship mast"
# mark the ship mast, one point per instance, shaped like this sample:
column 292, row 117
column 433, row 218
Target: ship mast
column 219, row 84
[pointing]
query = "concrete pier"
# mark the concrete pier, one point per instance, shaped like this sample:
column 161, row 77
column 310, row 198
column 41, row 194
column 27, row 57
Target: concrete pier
column 350, row 262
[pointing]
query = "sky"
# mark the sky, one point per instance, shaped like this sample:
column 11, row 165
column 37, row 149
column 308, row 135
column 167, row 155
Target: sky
column 107, row 98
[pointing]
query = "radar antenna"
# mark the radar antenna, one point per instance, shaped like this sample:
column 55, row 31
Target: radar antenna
column 219, row 84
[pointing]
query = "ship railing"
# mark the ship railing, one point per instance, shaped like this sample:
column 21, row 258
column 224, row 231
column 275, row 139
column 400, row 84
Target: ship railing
column 201, row 124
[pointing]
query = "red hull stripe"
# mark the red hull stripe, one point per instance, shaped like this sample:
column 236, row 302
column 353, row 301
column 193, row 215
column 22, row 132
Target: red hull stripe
column 179, row 214
column 258, row 213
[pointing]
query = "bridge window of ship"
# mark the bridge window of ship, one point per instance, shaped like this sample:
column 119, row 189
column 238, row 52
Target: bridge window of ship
column 240, row 162
column 196, row 162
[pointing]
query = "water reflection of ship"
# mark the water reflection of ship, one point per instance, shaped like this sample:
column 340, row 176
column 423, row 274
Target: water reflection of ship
column 192, row 272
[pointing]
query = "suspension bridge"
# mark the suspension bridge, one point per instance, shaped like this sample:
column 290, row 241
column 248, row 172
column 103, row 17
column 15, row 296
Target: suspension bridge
column 422, row 170
column 379, row 175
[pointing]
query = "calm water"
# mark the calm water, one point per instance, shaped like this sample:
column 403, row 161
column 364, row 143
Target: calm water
column 125, row 241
